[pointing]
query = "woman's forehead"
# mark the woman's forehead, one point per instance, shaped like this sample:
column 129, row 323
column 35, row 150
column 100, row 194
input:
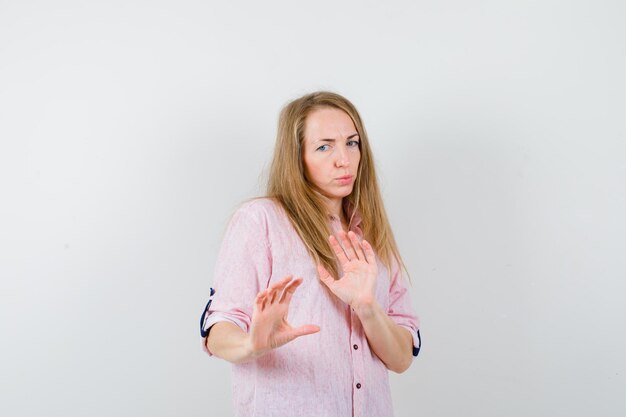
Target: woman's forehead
column 328, row 123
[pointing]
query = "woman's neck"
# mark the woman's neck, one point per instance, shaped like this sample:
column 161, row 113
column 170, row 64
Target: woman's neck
column 335, row 209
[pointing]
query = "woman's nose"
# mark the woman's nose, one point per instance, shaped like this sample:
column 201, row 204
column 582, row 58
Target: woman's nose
column 342, row 157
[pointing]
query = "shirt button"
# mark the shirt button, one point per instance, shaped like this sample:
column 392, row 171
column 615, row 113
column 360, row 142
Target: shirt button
column 355, row 347
column 358, row 385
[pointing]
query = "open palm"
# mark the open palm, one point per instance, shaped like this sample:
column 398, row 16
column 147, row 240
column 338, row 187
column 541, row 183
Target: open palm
column 269, row 327
column 357, row 259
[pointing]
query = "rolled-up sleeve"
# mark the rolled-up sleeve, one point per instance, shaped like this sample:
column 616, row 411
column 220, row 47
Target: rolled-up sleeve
column 401, row 309
column 243, row 266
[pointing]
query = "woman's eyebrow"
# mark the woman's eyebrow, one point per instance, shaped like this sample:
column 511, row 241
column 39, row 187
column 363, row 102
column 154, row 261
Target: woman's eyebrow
column 333, row 140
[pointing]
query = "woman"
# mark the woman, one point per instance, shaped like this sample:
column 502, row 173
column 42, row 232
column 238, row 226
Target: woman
column 320, row 248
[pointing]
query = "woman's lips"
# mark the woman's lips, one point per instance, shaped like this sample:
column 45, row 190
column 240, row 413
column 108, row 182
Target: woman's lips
column 346, row 179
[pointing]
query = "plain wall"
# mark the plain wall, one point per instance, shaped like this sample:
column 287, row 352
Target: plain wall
column 131, row 130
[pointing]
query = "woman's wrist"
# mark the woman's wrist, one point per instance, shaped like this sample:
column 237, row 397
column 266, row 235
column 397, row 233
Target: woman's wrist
column 365, row 308
column 249, row 351
column 231, row 343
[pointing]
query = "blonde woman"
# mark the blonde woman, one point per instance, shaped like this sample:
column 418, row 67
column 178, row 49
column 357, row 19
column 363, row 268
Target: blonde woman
column 310, row 299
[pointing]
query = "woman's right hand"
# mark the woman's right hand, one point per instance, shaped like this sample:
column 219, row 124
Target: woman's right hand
column 269, row 328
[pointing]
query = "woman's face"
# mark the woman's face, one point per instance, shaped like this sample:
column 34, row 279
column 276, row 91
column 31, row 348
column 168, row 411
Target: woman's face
column 331, row 152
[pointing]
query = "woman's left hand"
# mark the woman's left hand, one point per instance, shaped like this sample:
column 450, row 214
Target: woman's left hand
column 357, row 286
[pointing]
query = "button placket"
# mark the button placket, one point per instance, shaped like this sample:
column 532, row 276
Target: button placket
column 357, row 358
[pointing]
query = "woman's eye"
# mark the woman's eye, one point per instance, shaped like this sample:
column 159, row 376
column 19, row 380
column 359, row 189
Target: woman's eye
column 323, row 148
column 353, row 143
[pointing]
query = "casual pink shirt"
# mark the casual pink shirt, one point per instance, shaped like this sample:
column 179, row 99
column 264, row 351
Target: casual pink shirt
column 329, row 373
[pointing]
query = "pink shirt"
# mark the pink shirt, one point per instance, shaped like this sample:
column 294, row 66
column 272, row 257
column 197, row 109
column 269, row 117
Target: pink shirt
column 329, row 373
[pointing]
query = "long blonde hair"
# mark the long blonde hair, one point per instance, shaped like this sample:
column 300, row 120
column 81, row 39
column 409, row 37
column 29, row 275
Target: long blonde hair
column 305, row 208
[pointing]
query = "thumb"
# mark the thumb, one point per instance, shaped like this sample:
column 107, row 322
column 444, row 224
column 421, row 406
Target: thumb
column 304, row 330
column 324, row 275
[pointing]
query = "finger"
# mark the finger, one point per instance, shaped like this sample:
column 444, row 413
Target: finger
column 281, row 284
column 289, row 290
column 356, row 245
column 325, row 276
column 304, row 330
column 339, row 253
column 260, row 300
column 257, row 303
column 279, row 287
column 272, row 296
column 276, row 289
column 347, row 245
column 369, row 252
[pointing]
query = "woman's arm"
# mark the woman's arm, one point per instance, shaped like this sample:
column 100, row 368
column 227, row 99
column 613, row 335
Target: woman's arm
column 392, row 343
column 227, row 341
column 269, row 328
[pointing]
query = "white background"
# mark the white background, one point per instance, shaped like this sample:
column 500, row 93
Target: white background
column 130, row 130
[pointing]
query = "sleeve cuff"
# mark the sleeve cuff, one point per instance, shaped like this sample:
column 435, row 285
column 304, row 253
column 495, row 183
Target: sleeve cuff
column 216, row 317
column 417, row 340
